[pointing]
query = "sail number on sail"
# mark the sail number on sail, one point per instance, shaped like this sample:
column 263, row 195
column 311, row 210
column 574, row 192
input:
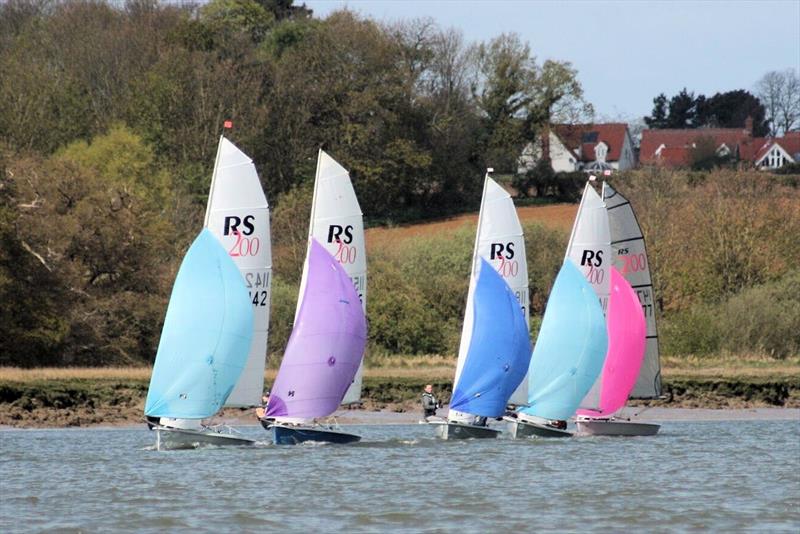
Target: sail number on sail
column 360, row 282
column 645, row 295
column 258, row 287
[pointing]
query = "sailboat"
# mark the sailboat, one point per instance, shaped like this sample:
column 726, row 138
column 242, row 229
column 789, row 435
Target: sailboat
column 630, row 258
column 567, row 357
column 337, row 223
column 626, row 346
column 588, row 253
column 237, row 214
column 495, row 343
column 203, row 349
column 336, row 228
column 322, row 356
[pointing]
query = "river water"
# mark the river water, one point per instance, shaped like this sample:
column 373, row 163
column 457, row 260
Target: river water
column 693, row 476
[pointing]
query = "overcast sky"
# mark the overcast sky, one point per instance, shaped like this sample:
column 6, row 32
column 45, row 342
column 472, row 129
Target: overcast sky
column 626, row 52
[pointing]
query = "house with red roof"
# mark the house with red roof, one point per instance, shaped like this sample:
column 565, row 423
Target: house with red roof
column 776, row 152
column 675, row 148
column 573, row 147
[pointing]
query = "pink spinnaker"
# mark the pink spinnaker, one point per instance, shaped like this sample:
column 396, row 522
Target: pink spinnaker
column 626, row 345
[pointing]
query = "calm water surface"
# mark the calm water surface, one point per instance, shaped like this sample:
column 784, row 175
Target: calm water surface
column 693, row 476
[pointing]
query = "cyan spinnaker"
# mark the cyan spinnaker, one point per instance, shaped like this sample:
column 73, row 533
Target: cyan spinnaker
column 206, row 336
column 570, row 350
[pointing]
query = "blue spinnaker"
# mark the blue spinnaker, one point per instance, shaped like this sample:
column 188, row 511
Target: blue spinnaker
column 206, row 335
column 570, row 349
column 499, row 350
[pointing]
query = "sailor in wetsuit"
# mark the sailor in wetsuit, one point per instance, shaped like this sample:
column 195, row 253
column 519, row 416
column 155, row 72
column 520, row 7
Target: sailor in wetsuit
column 429, row 402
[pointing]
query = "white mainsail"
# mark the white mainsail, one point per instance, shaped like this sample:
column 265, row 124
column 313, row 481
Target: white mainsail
column 589, row 249
column 337, row 223
column 630, row 259
column 499, row 240
column 238, row 215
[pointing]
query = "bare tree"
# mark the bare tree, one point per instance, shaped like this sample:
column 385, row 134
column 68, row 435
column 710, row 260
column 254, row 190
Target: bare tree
column 780, row 94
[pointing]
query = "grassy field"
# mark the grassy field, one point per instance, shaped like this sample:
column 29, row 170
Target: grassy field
column 556, row 216
column 437, row 367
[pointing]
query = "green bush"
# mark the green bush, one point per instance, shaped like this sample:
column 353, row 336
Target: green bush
column 764, row 319
column 693, row 331
column 544, row 248
column 401, row 319
column 281, row 319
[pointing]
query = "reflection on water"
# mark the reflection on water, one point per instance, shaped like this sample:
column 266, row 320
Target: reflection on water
column 721, row 476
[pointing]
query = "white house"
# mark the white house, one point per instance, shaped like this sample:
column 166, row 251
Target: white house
column 574, row 147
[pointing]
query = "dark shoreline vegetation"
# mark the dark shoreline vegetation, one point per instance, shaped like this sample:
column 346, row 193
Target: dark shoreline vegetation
column 107, row 146
column 87, row 402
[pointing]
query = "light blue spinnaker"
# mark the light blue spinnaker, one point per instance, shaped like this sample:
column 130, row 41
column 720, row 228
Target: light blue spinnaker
column 499, row 350
column 570, row 349
column 206, row 335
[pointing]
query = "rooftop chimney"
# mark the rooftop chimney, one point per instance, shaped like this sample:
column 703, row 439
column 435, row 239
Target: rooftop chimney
column 748, row 126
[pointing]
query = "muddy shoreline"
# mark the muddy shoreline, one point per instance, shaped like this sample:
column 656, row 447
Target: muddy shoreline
column 110, row 402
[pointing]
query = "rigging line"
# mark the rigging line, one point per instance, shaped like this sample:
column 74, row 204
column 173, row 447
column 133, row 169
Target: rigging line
column 625, row 240
column 618, row 206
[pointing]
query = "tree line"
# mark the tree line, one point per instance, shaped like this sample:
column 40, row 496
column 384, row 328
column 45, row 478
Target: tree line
column 774, row 109
column 110, row 115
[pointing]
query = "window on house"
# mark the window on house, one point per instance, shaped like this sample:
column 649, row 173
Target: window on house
column 600, row 152
column 775, row 158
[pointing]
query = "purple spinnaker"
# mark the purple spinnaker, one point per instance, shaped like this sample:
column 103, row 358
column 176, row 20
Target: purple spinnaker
column 326, row 345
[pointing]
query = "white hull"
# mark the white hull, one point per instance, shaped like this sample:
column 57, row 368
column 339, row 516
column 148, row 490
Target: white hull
column 526, row 429
column 175, row 439
column 451, row 430
column 613, row 427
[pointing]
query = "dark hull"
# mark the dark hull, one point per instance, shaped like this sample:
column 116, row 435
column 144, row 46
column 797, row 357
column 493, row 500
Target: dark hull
column 527, row 429
column 452, row 430
column 177, row 439
column 616, row 428
column 292, row 435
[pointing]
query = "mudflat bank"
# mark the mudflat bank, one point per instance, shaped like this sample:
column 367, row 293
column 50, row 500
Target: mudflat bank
column 75, row 402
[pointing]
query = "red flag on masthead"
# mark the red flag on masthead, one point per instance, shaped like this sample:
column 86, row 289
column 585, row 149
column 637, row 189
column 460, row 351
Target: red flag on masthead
column 228, row 124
